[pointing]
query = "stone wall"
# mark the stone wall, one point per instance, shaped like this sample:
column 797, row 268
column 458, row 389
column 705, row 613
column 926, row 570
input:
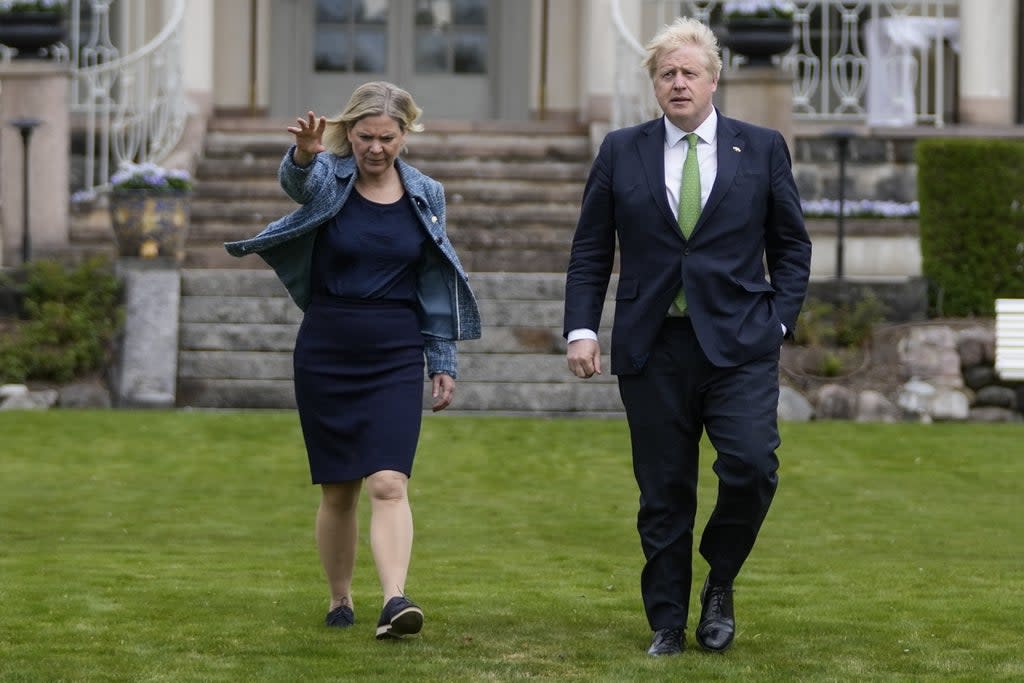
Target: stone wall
column 922, row 372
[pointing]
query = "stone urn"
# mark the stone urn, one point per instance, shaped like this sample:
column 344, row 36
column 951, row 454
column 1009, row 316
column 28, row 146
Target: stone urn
column 30, row 32
column 758, row 38
column 150, row 225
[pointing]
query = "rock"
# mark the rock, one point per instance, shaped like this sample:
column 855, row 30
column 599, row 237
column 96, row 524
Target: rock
column 915, row 397
column 978, row 376
column 996, row 397
column 950, row 404
column 930, row 353
column 992, row 414
column 873, row 406
column 976, row 346
column 84, row 394
column 835, row 402
column 31, row 400
column 793, row 407
column 9, row 390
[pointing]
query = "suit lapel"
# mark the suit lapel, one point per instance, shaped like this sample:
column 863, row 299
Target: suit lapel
column 651, row 148
column 730, row 150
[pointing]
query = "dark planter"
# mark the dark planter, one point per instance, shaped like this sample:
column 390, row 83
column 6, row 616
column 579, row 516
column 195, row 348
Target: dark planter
column 30, row 32
column 150, row 225
column 758, row 39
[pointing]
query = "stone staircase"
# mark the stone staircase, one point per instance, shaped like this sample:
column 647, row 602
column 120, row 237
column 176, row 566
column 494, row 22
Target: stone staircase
column 237, row 329
column 513, row 197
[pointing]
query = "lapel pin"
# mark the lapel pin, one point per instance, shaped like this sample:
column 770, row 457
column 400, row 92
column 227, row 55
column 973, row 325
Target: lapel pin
column 736, row 149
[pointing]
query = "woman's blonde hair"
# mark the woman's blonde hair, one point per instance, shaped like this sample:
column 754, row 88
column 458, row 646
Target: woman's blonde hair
column 371, row 99
column 684, row 31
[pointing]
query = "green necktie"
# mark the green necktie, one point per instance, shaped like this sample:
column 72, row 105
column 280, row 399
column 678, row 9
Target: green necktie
column 689, row 200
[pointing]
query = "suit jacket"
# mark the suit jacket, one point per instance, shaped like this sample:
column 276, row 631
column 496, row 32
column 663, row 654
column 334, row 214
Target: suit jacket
column 744, row 268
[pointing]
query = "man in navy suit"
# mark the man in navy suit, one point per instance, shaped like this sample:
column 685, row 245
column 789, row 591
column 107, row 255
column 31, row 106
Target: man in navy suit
column 701, row 311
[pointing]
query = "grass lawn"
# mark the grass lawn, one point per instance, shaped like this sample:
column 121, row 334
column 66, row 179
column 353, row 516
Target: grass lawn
column 178, row 546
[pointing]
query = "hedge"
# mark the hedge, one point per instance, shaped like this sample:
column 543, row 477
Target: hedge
column 971, row 193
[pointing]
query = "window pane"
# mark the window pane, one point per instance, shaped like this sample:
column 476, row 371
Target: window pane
column 351, row 35
column 375, row 12
column 371, row 50
column 431, row 51
column 470, row 12
column 332, row 50
column 471, row 53
column 436, row 13
column 334, row 10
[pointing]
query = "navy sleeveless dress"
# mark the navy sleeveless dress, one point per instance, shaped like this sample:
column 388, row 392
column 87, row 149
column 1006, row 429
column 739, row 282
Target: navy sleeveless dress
column 358, row 356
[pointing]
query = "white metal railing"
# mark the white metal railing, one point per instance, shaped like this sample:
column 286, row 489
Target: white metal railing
column 132, row 106
column 127, row 95
column 853, row 61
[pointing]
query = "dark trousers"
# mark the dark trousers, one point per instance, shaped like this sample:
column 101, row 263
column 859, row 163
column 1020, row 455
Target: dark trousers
column 678, row 395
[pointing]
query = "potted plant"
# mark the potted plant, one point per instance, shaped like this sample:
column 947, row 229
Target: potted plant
column 31, row 25
column 758, row 29
column 149, row 211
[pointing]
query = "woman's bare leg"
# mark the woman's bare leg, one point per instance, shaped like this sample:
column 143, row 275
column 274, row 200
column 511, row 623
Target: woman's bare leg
column 337, row 532
column 390, row 529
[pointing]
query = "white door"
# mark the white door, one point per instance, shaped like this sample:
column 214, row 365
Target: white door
column 444, row 52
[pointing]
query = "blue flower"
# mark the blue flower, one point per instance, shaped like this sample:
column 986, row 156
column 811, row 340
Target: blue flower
column 150, row 176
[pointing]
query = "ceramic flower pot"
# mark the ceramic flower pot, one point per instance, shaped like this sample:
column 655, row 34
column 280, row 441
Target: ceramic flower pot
column 30, row 32
column 150, row 225
column 758, row 39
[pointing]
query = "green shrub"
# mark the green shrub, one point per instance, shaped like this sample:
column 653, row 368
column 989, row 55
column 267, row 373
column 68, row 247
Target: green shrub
column 972, row 222
column 825, row 324
column 69, row 318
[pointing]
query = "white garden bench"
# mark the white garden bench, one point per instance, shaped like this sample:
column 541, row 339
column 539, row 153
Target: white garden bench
column 1010, row 339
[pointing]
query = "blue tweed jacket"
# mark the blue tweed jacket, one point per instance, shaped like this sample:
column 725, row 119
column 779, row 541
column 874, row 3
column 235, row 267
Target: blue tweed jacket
column 449, row 310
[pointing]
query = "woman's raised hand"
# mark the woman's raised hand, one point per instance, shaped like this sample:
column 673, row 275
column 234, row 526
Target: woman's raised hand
column 309, row 134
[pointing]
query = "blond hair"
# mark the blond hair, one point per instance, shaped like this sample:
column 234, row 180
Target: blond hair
column 371, row 99
column 684, row 31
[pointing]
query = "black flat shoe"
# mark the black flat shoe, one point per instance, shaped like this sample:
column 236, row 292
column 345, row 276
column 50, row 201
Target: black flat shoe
column 717, row 621
column 667, row 642
column 341, row 616
column 400, row 618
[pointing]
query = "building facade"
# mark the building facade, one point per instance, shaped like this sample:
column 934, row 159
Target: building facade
column 523, row 60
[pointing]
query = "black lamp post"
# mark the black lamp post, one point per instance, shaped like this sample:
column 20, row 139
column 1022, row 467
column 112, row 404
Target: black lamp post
column 842, row 137
column 25, row 126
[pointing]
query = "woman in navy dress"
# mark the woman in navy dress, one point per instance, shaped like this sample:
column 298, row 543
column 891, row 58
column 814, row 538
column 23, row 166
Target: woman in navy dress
column 367, row 258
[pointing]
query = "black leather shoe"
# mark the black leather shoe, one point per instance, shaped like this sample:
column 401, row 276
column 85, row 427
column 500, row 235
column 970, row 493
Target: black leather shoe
column 717, row 621
column 667, row 642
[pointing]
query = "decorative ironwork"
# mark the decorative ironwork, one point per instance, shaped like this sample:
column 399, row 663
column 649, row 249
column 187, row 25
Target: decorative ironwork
column 831, row 63
column 130, row 106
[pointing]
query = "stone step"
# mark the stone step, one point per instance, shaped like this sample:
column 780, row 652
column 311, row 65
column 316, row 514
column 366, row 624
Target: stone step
column 443, row 170
column 257, row 211
column 490, row 190
column 263, row 283
column 580, row 398
column 213, row 256
column 245, row 337
column 280, row 310
column 424, row 145
column 464, row 237
column 236, row 337
column 549, row 368
column 545, row 259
